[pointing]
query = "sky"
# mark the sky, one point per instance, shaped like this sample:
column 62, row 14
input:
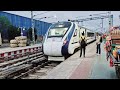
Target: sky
column 65, row 15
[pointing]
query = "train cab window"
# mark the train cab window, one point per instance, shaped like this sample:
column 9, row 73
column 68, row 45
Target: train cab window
column 59, row 29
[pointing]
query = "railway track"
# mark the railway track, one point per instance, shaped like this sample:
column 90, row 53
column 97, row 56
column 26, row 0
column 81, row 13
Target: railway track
column 9, row 68
column 39, row 71
column 22, row 67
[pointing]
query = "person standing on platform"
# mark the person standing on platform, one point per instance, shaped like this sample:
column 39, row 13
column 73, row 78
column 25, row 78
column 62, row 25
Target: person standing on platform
column 83, row 44
column 108, row 46
column 98, row 43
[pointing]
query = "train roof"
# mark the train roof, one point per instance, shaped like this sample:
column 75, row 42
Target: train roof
column 86, row 28
column 78, row 25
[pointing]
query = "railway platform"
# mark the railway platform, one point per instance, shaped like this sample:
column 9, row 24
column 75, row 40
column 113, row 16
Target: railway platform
column 8, row 51
column 93, row 66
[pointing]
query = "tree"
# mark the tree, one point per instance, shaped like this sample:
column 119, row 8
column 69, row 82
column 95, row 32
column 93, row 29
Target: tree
column 13, row 32
column 4, row 23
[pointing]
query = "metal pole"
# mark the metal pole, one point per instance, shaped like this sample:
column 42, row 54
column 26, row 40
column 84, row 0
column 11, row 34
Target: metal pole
column 109, row 19
column 102, row 22
column 21, row 33
column 33, row 34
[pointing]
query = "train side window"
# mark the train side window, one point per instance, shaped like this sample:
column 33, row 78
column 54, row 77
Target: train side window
column 75, row 33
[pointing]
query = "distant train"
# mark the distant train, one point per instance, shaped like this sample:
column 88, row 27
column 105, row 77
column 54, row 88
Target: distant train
column 62, row 39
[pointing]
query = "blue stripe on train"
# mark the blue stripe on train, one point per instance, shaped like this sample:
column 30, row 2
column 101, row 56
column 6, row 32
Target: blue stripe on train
column 65, row 47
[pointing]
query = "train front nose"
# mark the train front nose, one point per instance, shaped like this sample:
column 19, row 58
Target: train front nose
column 52, row 47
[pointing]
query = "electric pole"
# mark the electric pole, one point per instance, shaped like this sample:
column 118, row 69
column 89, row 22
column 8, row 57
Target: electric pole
column 102, row 24
column 110, row 19
column 32, row 21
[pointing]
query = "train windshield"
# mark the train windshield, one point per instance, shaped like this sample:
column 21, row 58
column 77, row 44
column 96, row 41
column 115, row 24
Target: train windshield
column 90, row 34
column 59, row 29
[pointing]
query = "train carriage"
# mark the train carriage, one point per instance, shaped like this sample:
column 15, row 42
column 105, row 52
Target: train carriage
column 62, row 39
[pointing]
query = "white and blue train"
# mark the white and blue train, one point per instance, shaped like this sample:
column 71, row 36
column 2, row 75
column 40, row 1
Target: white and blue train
column 62, row 39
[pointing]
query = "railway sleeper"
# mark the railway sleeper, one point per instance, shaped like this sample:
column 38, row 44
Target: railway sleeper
column 13, row 69
column 32, row 56
column 7, row 65
column 10, row 72
column 17, row 64
column 32, row 70
column 4, row 64
column 38, row 60
column 32, row 59
column 23, row 61
column 44, row 64
column 23, row 74
column 18, row 72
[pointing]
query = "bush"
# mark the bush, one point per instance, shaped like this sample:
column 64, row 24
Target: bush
column 4, row 23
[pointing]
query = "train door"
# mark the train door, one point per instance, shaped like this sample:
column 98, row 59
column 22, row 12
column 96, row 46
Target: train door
column 74, row 40
column 76, row 34
column 77, row 39
column 82, row 30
